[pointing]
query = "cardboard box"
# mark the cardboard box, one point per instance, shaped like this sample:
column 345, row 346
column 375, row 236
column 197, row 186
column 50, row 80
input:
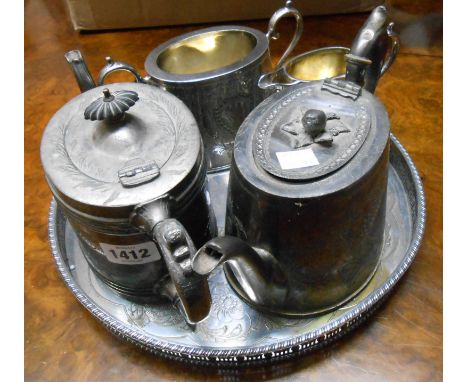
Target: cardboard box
column 123, row 14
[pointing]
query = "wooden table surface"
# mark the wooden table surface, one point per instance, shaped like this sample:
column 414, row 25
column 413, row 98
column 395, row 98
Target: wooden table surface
column 401, row 342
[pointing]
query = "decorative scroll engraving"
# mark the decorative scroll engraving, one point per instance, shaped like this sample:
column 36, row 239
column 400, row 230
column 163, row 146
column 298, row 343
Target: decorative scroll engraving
column 80, row 170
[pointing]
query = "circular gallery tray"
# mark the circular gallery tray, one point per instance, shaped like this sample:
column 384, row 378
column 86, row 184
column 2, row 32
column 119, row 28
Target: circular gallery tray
column 234, row 333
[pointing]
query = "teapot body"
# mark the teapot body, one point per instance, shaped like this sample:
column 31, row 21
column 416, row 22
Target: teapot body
column 126, row 165
column 326, row 233
column 127, row 259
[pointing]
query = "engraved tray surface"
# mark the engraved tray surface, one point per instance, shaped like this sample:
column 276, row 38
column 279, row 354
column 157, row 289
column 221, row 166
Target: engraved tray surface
column 234, row 333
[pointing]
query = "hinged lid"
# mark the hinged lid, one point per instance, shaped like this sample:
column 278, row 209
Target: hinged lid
column 312, row 131
column 137, row 143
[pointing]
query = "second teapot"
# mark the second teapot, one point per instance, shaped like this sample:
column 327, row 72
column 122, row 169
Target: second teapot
column 306, row 200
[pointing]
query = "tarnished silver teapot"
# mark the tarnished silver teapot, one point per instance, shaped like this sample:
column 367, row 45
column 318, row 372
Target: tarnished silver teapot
column 307, row 199
column 126, row 165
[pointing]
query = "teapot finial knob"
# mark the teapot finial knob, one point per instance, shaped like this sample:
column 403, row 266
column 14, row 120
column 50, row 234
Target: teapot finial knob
column 112, row 106
column 107, row 95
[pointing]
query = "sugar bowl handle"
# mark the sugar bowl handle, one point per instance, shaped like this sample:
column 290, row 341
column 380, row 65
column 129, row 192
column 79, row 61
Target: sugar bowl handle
column 287, row 10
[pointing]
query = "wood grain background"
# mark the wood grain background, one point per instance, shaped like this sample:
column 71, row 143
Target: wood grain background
column 402, row 342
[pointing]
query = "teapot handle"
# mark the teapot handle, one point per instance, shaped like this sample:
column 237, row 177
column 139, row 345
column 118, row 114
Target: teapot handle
column 188, row 290
column 394, row 48
column 192, row 292
column 115, row 66
column 287, row 10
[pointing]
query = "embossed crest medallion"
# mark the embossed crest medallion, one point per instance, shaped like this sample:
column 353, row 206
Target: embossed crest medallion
column 310, row 133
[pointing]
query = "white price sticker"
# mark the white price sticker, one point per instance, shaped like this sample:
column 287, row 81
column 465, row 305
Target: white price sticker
column 289, row 160
column 131, row 254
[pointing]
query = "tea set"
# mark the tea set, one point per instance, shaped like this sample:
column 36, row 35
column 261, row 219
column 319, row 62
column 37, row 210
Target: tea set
column 222, row 209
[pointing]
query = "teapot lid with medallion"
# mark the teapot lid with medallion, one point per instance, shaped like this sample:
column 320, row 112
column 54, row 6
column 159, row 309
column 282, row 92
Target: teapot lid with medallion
column 324, row 133
column 313, row 131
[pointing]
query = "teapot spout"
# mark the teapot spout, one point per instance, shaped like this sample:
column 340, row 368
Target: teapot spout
column 80, row 70
column 256, row 272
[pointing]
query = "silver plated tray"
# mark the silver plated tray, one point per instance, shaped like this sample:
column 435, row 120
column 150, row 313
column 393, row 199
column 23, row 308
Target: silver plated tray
column 234, row 333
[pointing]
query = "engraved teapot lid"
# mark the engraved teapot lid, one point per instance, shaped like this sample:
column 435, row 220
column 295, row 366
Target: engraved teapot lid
column 313, row 130
column 120, row 145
